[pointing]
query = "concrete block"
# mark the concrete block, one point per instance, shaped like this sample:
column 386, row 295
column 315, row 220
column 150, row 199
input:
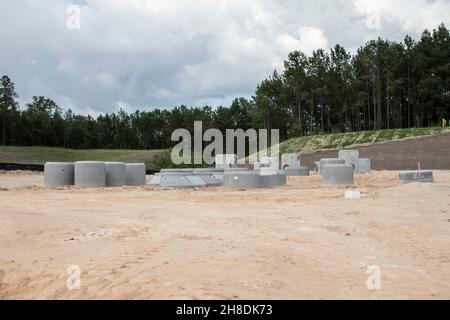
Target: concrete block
column 350, row 157
column 334, row 174
column 364, row 165
column 326, row 161
column 58, row 174
column 90, row 174
column 115, row 174
column 135, row 174
column 414, row 176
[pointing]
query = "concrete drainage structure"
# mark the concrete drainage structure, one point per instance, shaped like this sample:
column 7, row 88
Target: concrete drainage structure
column 90, row 174
column 350, row 157
column 135, row 174
column 188, row 178
column 335, row 174
column 115, row 174
column 299, row 172
column 364, row 165
column 327, row 161
column 414, row 176
column 58, row 174
column 244, row 180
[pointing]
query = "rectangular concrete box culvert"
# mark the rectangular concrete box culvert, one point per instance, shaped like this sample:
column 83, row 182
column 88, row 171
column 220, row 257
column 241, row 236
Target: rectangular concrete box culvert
column 59, row 174
column 115, row 174
column 90, row 174
column 336, row 174
column 350, row 157
column 413, row 176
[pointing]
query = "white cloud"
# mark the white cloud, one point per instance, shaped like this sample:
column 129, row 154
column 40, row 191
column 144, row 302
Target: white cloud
column 167, row 53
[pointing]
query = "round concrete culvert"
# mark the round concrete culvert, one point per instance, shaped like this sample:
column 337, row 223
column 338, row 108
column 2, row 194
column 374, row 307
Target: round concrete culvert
column 241, row 180
column 298, row 172
column 115, row 174
column 326, row 161
column 334, row 174
column 364, row 165
column 58, row 174
column 90, row 174
column 350, row 157
column 135, row 174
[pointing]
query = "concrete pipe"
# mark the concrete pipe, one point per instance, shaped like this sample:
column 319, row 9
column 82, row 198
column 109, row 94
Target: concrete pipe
column 364, row 165
column 58, row 174
column 90, row 174
column 115, row 174
column 350, row 157
column 297, row 172
column 334, row 174
column 414, row 176
column 326, row 161
column 241, row 180
column 135, row 174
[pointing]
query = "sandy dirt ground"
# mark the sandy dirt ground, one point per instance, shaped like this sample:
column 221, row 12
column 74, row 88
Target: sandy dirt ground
column 303, row 241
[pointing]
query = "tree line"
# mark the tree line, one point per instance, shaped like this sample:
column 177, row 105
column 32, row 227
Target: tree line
column 385, row 84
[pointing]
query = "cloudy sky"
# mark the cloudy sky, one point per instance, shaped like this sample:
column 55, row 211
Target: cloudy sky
column 142, row 54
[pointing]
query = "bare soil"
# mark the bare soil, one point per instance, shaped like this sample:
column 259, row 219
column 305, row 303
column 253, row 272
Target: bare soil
column 433, row 152
column 302, row 241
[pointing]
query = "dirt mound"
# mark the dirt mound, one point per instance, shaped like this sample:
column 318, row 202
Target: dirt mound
column 433, row 153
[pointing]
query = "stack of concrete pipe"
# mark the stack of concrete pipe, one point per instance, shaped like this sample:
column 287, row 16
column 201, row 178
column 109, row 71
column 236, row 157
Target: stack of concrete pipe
column 93, row 174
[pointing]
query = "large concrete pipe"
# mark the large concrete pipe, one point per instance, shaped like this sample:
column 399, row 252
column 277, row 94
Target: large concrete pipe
column 90, row 174
column 135, row 174
column 115, row 174
column 326, row 161
column 334, row 174
column 58, row 174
